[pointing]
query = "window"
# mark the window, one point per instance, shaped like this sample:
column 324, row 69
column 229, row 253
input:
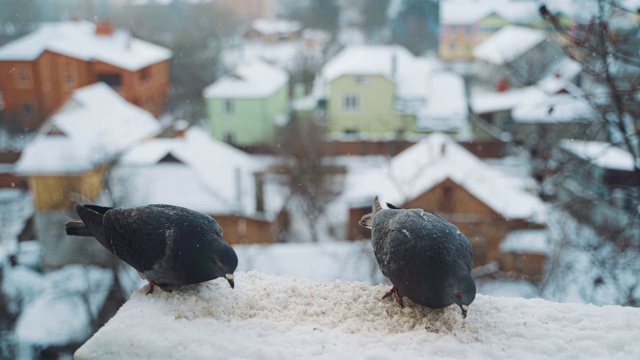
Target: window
column 145, row 76
column 362, row 80
column 112, row 80
column 27, row 108
column 351, row 103
column 229, row 138
column 68, row 80
column 23, row 77
column 228, row 107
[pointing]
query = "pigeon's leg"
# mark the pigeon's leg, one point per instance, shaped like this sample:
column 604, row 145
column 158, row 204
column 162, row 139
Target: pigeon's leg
column 153, row 284
column 396, row 294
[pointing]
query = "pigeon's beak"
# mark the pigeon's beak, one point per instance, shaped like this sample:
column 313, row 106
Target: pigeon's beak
column 229, row 278
column 464, row 309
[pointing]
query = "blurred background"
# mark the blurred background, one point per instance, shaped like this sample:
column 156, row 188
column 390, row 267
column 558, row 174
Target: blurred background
column 516, row 120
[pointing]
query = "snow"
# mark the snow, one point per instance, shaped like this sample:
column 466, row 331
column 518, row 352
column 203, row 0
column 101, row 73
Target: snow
column 601, row 154
column 560, row 108
column 78, row 39
column 46, row 321
column 92, row 127
column 508, row 43
column 252, row 79
column 341, row 260
column 410, row 74
column 291, row 56
column 446, row 108
column 483, row 102
column 527, row 242
column 220, row 178
column 347, row 320
column 16, row 207
column 436, row 158
column 275, row 27
column 468, row 12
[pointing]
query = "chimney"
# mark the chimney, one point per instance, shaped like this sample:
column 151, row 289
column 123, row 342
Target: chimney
column 443, row 149
column 104, row 28
column 502, row 85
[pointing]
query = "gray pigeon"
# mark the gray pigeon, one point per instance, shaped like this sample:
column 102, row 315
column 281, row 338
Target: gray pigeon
column 426, row 258
column 168, row 245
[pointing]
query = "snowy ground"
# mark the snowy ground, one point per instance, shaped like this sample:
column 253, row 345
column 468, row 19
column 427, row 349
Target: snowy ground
column 271, row 317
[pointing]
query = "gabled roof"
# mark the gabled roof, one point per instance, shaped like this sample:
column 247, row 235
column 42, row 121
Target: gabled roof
column 209, row 176
column 600, row 153
column 550, row 109
column 483, row 102
column 467, row 12
column 91, row 128
column 78, row 39
column 436, row 158
column 394, row 62
column 508, row 43
column 252, row 79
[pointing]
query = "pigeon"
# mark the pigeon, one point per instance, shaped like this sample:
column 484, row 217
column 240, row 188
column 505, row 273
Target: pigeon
column 426, row 258
column 168, row 245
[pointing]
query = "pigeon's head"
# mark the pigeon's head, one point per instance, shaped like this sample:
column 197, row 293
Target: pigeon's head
column 226, row 262
column 464, row 294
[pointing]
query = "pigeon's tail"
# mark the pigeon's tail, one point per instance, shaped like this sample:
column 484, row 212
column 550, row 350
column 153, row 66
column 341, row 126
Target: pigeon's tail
column 77, row 228
column 367, row 220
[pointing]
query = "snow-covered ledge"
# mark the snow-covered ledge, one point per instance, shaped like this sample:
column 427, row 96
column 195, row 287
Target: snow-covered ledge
column 276, row 317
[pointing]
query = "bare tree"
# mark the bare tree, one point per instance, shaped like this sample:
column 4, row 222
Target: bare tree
column 607, row 54
column 311, row 178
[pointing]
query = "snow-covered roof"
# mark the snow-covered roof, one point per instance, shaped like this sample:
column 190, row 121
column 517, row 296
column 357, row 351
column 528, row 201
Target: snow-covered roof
column 211, row 176
column 350, row 320
column 252, row 79
column 78, row 39
column 527, row 242
column 600, row 153
column 483, row 102
column 91, row 128
column 508, row 43
column 559, row 76
column 74, row 292
column 446, row 107
column 274, row 27
column 394, row 62
column 467, row 12
column 436, row 158
column 560, row 108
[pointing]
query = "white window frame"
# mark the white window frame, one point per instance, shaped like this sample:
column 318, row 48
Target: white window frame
column 228, row 106
column 351, row 103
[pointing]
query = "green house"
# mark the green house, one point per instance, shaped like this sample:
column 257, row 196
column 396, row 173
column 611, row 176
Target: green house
column 373, row 89
column 247, row 106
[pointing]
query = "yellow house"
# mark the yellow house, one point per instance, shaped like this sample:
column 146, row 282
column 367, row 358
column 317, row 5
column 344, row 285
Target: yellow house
column 466, row 23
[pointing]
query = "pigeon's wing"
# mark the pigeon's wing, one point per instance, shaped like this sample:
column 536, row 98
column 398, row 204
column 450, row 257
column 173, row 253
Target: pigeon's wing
column 138, row 236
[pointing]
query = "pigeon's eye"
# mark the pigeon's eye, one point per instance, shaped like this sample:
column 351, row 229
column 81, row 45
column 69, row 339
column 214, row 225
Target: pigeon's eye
column 219, row 264
column 458, row 294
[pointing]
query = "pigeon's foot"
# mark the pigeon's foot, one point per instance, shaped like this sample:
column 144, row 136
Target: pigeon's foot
column 153, row 284
column 396, row 294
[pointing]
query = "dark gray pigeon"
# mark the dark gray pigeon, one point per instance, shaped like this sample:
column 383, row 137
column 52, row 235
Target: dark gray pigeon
column 426, row 258
column 168, row 245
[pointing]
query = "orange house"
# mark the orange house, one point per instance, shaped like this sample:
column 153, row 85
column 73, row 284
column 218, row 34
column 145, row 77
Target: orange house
column 39, row 71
